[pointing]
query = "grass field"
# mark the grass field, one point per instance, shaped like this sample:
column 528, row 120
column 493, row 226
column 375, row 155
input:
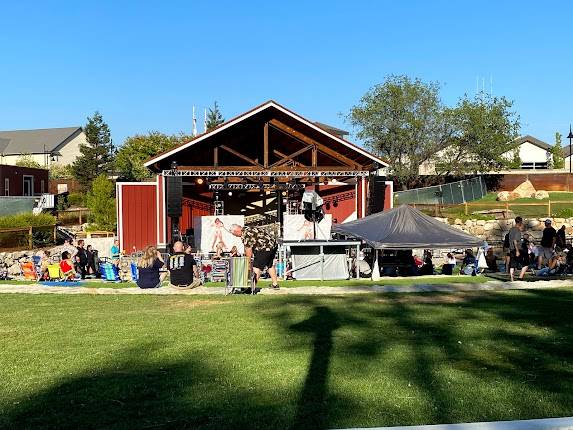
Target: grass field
column 416, row 280
column 488, row 202
column 151, row 362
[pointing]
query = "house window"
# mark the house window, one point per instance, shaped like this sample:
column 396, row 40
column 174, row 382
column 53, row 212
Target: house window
column 43, row 186
column 6, row 186
column 28, row 186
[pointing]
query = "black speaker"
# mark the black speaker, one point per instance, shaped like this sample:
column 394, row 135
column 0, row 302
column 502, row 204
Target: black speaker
column 377, row 194
column 174, row 188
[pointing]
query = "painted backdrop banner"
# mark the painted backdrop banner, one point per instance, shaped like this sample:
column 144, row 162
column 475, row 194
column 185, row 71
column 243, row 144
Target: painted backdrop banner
column 210, row 231
column 298, row 228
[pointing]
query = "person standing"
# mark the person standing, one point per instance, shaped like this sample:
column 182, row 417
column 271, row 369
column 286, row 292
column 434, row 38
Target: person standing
column 81, row 258
column 262, row 246
column 91, row 268
column 183, row 270
column 547, row 244
column 560, row 241
column 516, row 257
column 115, row 252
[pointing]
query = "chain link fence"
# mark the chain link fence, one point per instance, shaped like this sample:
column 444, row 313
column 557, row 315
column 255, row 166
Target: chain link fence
column 448, row 194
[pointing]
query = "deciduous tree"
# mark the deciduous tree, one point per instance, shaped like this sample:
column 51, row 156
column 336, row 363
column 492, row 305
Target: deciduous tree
column 137, row 149
column 26, row 160
column 101, row 202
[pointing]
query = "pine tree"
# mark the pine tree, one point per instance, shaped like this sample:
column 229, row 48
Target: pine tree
column 97, row 155
column 214, row 117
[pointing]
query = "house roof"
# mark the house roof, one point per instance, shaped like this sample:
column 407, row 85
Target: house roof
column 331, row 129
column 566, row 151
column 534, row 141
column 38, row 141
column 262, row 107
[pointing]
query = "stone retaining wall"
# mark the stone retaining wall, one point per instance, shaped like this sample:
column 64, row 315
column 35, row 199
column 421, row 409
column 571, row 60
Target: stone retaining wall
column 495, row 230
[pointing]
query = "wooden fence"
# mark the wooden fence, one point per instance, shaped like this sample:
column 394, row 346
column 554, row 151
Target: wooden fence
column 79, row 214
column 29, row 231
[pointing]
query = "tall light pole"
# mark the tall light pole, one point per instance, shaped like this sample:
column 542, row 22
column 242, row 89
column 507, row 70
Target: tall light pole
column 570, row 137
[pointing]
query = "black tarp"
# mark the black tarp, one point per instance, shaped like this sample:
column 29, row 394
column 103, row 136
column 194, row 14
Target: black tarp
column 406, row 228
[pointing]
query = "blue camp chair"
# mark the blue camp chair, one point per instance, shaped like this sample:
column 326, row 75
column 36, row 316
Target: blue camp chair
column 134, row 272
column 109, row 272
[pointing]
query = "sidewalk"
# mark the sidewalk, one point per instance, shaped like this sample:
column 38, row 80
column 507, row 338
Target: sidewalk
column 310, row 290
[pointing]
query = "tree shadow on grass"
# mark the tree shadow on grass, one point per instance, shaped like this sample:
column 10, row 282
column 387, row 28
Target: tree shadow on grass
column 134, row 392
column 312, row 405
column 524, row 375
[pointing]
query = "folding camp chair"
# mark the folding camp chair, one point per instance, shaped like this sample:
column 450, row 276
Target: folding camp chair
column 54, row 272
column 134, row 272
column 29, row 271
column 66, row 271
column 109, row 272
column 240, row 275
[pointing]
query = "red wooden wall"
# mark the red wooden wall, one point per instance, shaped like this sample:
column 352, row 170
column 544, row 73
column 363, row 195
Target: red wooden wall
column 137, row 215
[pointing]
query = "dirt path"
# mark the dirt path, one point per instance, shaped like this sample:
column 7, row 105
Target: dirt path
column 310, row 290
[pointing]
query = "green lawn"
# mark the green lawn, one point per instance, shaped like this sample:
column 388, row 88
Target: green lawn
column 416, row 280
column 278, row 362
column 489, row 202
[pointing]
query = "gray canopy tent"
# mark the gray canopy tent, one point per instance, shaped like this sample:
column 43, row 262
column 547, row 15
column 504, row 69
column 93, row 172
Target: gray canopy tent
column 406, row 228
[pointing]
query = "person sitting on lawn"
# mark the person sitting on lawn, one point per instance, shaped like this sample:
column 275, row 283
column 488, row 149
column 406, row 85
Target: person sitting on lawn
column 44, row 263
column 491, row 261
column 67, row 266
column 556, row 265
column 428, row 266
column 448, row 267
column 148, row 268
column 183, row 270
column 468, row 263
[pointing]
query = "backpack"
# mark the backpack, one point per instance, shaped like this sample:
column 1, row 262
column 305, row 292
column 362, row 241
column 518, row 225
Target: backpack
column 506, row 241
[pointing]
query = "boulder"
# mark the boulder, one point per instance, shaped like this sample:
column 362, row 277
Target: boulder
column 478, row 230
column 457, row 221
column 514, row 196
column 469, row 223
column 532, row 223
column 14, row 269
column 540, row 195
column 503, row 196
column 525, row 189
column 488, row 226
column 558, row 221
column 480, row 222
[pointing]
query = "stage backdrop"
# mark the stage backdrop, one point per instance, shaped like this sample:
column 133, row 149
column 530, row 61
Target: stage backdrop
column 297, row 228
column 210, row 230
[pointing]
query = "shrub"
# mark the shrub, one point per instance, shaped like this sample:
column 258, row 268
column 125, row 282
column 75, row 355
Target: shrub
column 77, row 199
column 564, row 213
column 101, row 202
column 27, row 220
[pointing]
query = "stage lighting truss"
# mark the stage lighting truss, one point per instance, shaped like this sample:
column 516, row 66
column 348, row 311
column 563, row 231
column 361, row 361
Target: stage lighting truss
column 242, row 186
column 349, row 195
column 267, row 173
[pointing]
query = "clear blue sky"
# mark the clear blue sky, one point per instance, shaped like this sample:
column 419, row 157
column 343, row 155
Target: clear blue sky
column 143, row 65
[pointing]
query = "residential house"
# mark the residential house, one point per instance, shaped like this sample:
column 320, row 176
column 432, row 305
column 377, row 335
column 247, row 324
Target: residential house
column 45, row 146
column 567, row 157
column 533, row 153
column 22, row 181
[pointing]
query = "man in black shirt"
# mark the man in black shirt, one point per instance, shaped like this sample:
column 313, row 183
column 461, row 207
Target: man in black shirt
column 81, row 259
column 182, row 267
column 547, row 244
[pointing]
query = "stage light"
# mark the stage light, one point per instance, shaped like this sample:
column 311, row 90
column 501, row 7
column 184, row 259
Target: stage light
column 335, row 204
column 327, row 206
column 174, row 165
column 243, row 210
column 284, row 193
column 230, row 193
column 325, row 181
column 199, row 181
